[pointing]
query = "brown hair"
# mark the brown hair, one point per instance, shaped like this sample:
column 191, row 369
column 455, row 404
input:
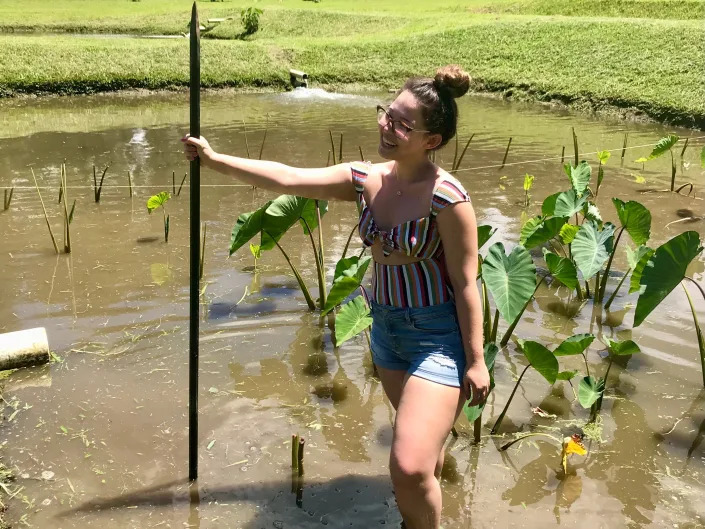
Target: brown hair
column 437, row 97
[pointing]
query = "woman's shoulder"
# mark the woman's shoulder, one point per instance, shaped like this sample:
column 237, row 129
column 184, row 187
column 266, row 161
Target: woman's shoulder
column 448, row 191
column 361, row 170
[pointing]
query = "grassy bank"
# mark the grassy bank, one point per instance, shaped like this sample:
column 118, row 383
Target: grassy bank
column 642, row 54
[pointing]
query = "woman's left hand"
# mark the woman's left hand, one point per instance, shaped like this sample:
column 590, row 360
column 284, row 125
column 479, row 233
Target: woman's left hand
column 476, row 383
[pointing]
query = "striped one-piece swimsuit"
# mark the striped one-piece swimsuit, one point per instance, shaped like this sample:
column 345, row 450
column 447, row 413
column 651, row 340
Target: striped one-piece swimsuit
column 422, row 283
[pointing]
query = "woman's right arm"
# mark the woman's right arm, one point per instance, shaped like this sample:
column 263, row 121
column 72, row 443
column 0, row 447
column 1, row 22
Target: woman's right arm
column 333, row 183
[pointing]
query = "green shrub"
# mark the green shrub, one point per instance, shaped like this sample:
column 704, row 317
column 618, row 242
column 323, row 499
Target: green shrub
column 250, row 19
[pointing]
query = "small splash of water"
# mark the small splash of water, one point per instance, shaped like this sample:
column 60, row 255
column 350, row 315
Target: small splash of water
column 318, row 94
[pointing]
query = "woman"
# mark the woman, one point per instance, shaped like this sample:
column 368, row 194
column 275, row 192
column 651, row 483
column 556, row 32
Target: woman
column 427, row 320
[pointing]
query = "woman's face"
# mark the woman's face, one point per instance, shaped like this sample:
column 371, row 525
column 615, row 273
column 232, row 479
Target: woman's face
column 402, row 133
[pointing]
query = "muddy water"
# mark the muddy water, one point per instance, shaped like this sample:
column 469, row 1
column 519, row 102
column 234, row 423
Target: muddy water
column 109, row 420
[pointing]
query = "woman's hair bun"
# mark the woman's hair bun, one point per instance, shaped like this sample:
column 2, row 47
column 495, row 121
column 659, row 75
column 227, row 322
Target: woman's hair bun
column 453, row 79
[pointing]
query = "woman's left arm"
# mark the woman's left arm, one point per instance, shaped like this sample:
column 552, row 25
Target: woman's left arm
column 458, row 230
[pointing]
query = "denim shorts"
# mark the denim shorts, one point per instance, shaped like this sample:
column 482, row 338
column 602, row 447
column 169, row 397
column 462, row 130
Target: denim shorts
column 423, row 341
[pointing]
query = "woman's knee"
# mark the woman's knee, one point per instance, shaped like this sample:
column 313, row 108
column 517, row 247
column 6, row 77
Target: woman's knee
column 408, row 471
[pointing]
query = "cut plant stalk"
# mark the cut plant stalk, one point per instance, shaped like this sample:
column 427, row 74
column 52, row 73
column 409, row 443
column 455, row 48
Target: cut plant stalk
column 624, row 145
column 46, row 217
column 300, row 454
column 294, row 452
column 575, row 147
column 264, row 138
column 340, row 149
column 247, row 144
column 506, row 153
column 328, row 159
column 332, row 145
column 322, row 294
column 173, row 182
column 362, row 157
column 459, row 160
column 67, row 221
column 8, row 198
column 98, row 186
column 129, row 182
column 563, row 155
column 178, row 192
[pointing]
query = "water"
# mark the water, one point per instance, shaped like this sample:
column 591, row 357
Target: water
column 110, row 419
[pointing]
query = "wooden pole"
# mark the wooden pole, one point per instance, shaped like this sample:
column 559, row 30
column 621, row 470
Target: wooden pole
column 195, row 254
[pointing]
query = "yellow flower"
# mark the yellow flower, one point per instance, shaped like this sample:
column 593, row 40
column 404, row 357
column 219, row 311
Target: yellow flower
column 571, row 445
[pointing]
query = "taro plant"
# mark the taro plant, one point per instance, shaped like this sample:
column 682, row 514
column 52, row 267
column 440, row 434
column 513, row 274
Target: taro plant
column 602, row 157
column 159, row 201
column 663, row 146
column 528, row 183
column 272, row 221
column 592, row 389
column 542, row 360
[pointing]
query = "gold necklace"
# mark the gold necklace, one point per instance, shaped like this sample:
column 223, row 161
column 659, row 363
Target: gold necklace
column 396, row 178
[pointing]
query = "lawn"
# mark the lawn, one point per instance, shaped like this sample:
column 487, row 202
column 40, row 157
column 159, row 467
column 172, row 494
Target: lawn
column 645, row 55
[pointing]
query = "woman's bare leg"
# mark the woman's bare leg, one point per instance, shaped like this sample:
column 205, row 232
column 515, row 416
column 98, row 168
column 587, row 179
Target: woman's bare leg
column 425, row 415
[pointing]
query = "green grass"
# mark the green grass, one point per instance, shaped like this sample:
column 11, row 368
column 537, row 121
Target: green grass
column 642, row 54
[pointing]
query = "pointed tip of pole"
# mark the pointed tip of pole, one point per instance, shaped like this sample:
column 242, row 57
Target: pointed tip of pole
column 195, row 25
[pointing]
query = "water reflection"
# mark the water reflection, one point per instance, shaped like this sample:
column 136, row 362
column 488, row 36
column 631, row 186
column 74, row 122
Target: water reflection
column 313, row 369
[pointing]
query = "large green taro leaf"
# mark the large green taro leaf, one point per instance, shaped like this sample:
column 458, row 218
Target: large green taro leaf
column 247, row 226
column 634, row 218
column 574, row 345
column 664, row 270
column 589, row 390
column 541, row 359
column 562, row 269
column 349, row 273
column 353, row 318
column 563, row 204
column 539, row 230
column 510, row 278
column 473, row 412
column 591, row 248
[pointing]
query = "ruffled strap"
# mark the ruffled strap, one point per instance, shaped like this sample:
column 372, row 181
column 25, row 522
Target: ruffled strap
column 449, row 191
column 359, row 172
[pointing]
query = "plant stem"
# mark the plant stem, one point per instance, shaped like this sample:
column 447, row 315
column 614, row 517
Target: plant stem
column 247, row 144
column 697, row 285
column 532, row 434
column 321, row 258
column 462, row 154
column 698, row 330
column 477, row 429
column 562, row 155
column 624, row 144
column 614, row 294
column 67, row 224
column 597, row 286
column 498, row 423
column 587, row 288
column 173, row 182
column 340, row 149
column 100, row 185
column 7, row 200
column 603, row 286
column 362, row 156
column 319, row 267
column 587, row 367
column 299, row 279
column 264, row 138
column 673, row 171
column 506, row 152
column 495, row 324
column 332, row 145
column 129, row 182
column 180, row 185
column 302, row 442
column 347, row 244
column 294, row 452
column 685, row 146
column 598, row 404
column 455, row 155
column 575, row 146
column 46, row 217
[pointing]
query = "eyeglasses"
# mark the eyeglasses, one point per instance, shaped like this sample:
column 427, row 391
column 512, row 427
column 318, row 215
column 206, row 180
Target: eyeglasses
column 399, row 128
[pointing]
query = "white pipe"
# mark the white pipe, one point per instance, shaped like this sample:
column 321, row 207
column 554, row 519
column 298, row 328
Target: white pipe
column 24, row 348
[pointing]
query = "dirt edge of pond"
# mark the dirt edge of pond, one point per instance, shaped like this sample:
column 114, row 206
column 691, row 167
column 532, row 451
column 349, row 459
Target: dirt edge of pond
column 624, row 109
